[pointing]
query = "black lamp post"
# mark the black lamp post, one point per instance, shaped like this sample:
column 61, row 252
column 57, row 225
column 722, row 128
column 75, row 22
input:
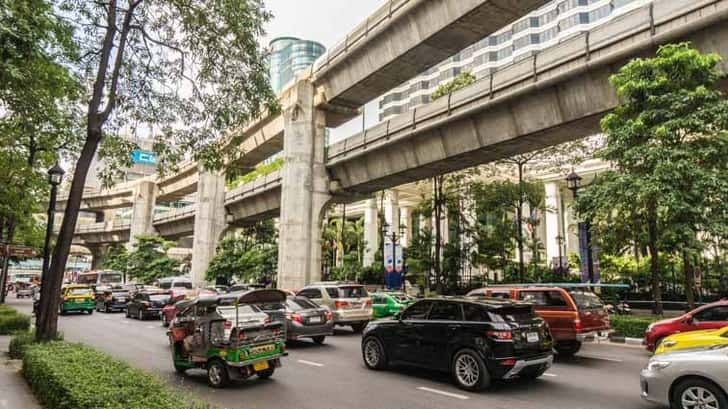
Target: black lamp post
column 560, row 241
column 394, row 236
column 573, row 182
column 55, row 176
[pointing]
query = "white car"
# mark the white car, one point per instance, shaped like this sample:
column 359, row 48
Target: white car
column 688, row 378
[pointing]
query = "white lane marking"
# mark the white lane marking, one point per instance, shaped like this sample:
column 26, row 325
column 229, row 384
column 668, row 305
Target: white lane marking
column 552, row 375
column 443, row 393
column 603, row 358
column 310, row 363
column 151, row 326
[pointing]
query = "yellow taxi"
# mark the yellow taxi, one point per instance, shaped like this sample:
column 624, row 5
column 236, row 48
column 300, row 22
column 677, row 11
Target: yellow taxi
column 693, row 339
column 77, row 297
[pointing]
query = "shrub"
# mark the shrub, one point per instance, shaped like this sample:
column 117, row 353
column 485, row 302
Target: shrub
column 630, row 325
column 74, row 376
column 21, row 341
column 12, row 321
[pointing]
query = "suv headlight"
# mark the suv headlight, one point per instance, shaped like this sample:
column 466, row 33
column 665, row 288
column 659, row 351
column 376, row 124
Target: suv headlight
column 657, row 365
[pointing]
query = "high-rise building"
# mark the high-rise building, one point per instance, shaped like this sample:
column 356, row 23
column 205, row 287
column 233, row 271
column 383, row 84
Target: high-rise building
column 538, row 30
column 290, row 55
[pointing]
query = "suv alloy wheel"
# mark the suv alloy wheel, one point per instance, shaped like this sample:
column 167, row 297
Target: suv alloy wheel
column 469, row 371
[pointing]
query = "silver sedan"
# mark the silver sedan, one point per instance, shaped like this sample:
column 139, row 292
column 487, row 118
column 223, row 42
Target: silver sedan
column 688, row 379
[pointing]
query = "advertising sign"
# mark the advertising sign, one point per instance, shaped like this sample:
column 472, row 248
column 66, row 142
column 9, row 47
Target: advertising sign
column 145, row 157
column 398, row 261
column 388, row 256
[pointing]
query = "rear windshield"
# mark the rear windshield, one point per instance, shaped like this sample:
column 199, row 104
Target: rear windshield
column 512, row 314
column 109, row 278
column 353, row 292
column 229, row 312
column 159, row 297
column 183, row 284
column 80, row 291
column 585, row 300
column 401, row 298
column 120, row 293
column 299, row 304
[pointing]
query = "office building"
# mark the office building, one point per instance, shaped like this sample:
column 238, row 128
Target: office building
column 290, row 55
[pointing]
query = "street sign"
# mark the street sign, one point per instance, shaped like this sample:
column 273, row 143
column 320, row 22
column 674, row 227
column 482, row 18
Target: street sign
column 144, row 157
column 16, row 250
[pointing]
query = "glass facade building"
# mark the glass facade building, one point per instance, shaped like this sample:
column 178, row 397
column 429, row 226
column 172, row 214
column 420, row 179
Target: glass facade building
column 290, row 55
column 536, row 31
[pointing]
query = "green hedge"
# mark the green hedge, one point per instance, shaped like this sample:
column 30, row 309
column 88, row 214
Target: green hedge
column 74, row 376
column 12, row 321
column 21, row 341
column 632, row 326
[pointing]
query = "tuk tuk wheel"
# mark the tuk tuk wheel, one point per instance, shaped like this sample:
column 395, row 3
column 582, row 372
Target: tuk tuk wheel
column 265, row 374
column 217, row 374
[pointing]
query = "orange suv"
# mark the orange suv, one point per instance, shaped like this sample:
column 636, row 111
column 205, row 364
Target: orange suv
column 573, row 313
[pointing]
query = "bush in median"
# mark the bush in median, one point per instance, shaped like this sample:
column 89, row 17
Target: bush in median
column 12, row 321
column 631, row 326
column 21, row 340
column 74, row 376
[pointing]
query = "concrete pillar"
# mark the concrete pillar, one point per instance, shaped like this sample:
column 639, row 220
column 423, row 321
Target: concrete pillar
column 405, row 219
column 371, row 232
column 97, row 255
column 142, row 211
column 304, row 192
column 209, row 222
column 552, row 220
column 391, row 213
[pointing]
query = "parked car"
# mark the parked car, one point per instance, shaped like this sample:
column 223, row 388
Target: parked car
column 147, row 304
column 176, row 285
column 572, row 313
column 173, row 306
column 349, row 302
column 305, row 319
column 388, row 304
column 688, row 378
column 709, row 316
column 77, row 297
column 477, row 340
column 112, row 299
column 693, row 339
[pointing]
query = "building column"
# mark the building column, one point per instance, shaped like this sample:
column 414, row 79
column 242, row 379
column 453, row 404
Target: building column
column 304, row 191
column 142, row 211
column 552, row 220
column 391, row 213
column 97, row 255
column 209, row 222
column 371, row 232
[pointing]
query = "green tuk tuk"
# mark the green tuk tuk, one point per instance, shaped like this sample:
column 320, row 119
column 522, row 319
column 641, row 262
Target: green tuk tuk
column 232, row 348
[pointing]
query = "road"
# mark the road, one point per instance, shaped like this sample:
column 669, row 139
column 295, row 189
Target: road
column 333, row 375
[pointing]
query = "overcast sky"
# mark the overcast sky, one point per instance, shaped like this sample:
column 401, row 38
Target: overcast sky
column 325, row 21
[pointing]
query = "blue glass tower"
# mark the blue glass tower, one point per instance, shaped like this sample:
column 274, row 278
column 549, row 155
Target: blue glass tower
column 290, row 55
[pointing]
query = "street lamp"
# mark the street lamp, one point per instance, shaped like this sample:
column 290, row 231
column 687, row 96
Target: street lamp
column 394, row 238
column 573, row 182
column 55, row 176
column 560, row 242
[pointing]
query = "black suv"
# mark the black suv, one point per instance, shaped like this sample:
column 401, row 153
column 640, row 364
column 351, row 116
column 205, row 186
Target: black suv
column 476, row 340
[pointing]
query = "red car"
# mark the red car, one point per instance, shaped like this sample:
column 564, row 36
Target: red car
column 709, row 316
column 171, row 309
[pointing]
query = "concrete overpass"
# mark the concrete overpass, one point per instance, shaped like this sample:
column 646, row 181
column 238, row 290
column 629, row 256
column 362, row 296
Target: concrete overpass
column 545, row 99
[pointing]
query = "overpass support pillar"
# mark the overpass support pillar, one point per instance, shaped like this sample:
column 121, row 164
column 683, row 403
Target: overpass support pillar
column 209, row 222
column 553, row 221
column 371, row 232
column 304, row 192
column 142, row 211
column 97, row 256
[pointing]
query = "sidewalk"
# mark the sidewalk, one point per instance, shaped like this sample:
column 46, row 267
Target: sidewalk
column 14, row 391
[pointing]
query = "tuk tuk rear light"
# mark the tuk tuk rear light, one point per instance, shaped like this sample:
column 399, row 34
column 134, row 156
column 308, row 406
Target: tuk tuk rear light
column 340, row 303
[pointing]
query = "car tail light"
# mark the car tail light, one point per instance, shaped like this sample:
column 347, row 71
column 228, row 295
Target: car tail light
column 500, row 335
column 577, row 325
column 339, row 303
column 368, row 303
column 228, row 324
column 294, row 317
column 509, row 362
column 329, row 316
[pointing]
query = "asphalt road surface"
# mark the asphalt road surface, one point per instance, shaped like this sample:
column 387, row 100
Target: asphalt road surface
column 334, row 376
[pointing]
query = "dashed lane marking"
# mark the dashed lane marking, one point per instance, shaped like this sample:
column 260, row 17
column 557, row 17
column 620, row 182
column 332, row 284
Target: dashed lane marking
column 443, row 393
column 310, row 363
column 552, row 375
column 602, row 358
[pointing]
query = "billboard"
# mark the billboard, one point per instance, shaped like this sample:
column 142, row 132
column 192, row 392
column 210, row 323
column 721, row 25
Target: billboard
column 144, row 157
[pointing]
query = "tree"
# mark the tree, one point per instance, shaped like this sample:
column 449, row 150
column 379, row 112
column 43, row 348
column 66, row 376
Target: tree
column 667, row 142
column 461, row 80
column 191, row 69
column 117, row 259
column 252, row 254
column 148, row 261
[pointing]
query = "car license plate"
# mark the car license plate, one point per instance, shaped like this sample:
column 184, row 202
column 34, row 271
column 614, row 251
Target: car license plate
column 262, row 349
column 315, row 320
column 261, row 366
column 532, row 337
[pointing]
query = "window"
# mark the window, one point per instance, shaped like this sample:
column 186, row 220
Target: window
column 474, row 313
column 501, row 294
column 332, row 292
column 80, row 291
column 600, row 13
column 417, row 311
column 586, row 299
column 548, row 17
column 352, row 292
column 299, row 303
column 477, row 293
column 719, row 313
column 183, row 284
column 549, row 34
column 166, row 285
column 445, row 311
column 544, row 298
column 310, row 293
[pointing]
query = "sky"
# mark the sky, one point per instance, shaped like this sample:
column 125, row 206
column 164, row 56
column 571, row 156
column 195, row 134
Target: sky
column 325, row 21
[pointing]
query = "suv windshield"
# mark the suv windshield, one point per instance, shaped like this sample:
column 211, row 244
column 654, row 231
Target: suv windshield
column 353, row 292
column 586, row 299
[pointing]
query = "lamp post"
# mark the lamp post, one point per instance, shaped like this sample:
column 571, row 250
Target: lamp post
column 55, row 176
column 573, row 182
column 560, row 242
column 394, row 237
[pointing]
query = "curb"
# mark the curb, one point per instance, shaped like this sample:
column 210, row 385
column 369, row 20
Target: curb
column 626, row 340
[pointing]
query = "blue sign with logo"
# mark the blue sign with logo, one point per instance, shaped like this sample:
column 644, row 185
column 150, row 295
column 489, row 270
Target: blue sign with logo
column 145, row 157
